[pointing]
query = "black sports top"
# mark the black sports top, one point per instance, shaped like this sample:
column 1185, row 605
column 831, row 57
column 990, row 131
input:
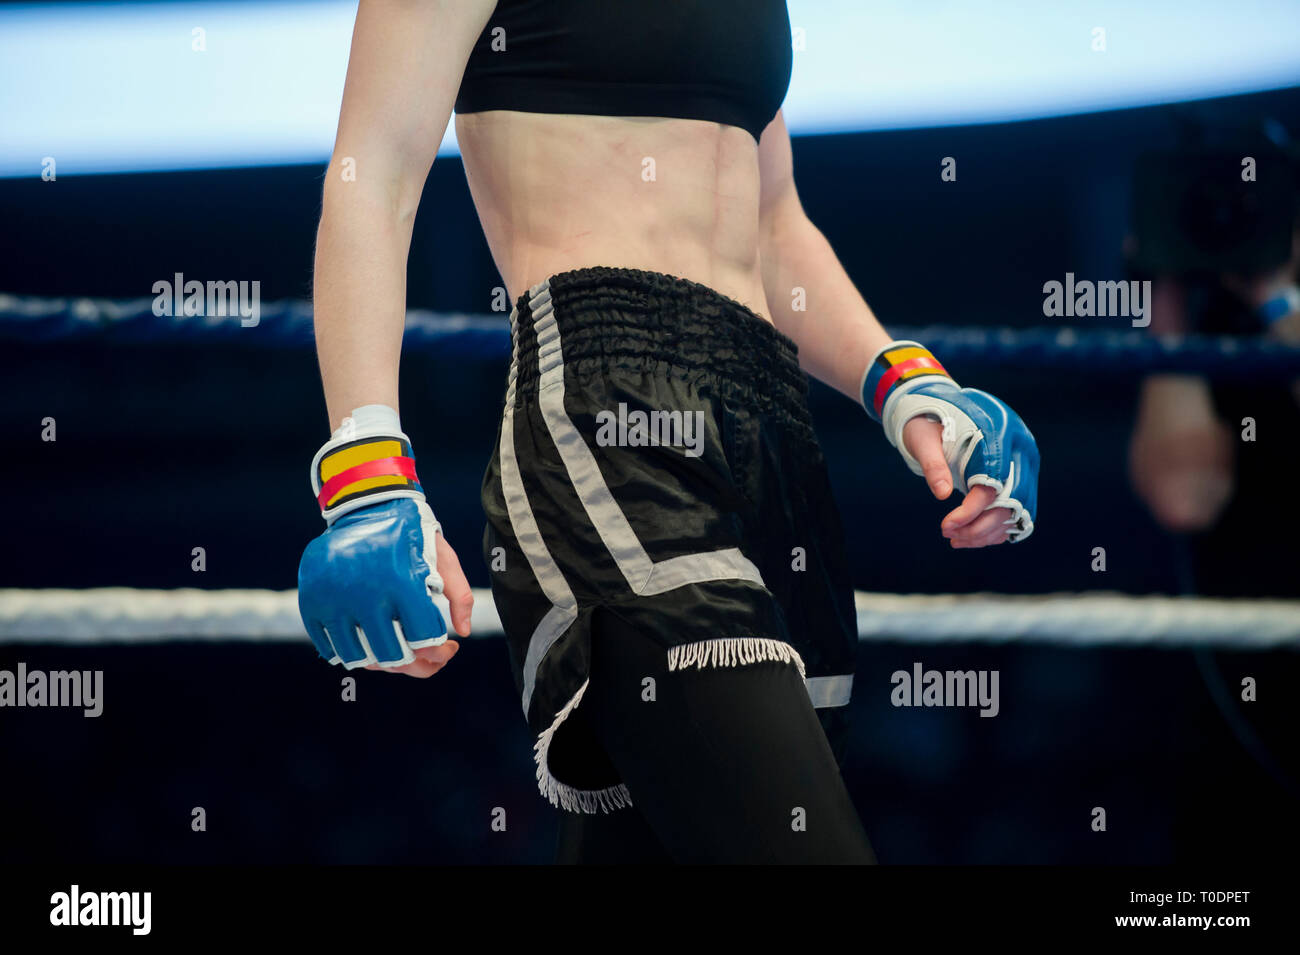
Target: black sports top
column 726, row 61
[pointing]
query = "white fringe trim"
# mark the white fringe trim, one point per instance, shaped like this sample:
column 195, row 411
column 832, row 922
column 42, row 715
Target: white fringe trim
column 567, row 797
column 733, row 652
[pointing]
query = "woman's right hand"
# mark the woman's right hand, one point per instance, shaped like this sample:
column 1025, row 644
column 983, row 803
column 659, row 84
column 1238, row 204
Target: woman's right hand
column 366, row 588
column 366, row 585
column 460, row 600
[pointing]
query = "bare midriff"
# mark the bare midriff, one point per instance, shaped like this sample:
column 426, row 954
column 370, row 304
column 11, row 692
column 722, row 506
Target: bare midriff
column 561, row 192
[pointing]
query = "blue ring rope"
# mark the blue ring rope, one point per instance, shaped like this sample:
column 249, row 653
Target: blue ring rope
column 288, row 324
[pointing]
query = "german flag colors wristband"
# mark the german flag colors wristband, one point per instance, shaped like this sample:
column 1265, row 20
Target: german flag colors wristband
column 368, row 460
column 894, row 370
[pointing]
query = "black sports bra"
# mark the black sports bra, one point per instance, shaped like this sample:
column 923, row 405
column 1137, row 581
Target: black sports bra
column 726, row 61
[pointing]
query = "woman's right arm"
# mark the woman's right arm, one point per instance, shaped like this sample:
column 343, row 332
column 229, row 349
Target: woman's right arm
column 389, row 558
column 403, row 75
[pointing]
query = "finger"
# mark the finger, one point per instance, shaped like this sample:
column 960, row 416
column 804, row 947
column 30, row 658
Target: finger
column 460, row 598
column 440, row 655
column 420, row 621
column 343, row 634
column 999, row 535
column 417, row 668
column 989, row 520
column 420, row 669
column 428, row 661
column 923, row 438
column 995, row 534
column 381, row 636
column 976, row 500
column 320, row 639
column 985, row 530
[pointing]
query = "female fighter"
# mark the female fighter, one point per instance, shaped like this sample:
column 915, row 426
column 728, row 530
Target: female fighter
column 664, row 550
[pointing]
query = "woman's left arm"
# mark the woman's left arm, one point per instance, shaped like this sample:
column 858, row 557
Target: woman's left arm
column 956, row 438
column 809, row 295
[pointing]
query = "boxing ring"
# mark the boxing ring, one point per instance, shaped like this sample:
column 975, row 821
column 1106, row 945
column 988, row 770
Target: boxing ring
column 1113, row 664
column 1090, row 618
column 465, row 337
column 103, row 615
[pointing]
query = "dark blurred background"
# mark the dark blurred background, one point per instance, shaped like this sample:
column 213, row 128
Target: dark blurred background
column 163, row 448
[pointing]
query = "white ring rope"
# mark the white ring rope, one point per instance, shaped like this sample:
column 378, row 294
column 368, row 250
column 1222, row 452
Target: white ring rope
column 126, row 615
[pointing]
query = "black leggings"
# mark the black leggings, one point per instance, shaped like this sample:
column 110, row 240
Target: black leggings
column 725, row 765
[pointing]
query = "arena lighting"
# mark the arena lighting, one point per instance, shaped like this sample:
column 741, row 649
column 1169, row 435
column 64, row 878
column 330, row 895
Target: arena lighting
column 118, row 87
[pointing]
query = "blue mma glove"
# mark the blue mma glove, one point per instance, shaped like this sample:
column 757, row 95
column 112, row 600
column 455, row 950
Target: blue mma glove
column 984, row 441
column 366, row 585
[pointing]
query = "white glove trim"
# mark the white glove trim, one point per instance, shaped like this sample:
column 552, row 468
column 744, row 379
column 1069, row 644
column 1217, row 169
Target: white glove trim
column 960, row 435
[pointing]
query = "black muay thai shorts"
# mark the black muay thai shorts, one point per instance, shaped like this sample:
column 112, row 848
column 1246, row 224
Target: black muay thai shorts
column 656, row 470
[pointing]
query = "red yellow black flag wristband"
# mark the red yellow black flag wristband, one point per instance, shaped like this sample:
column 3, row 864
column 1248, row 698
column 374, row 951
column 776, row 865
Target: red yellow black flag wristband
column 368, row 460
column 895, row 368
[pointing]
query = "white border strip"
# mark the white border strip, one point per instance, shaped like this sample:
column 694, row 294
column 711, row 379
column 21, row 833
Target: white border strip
column 644, row 576
column 119, row 87
column 127, row 615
